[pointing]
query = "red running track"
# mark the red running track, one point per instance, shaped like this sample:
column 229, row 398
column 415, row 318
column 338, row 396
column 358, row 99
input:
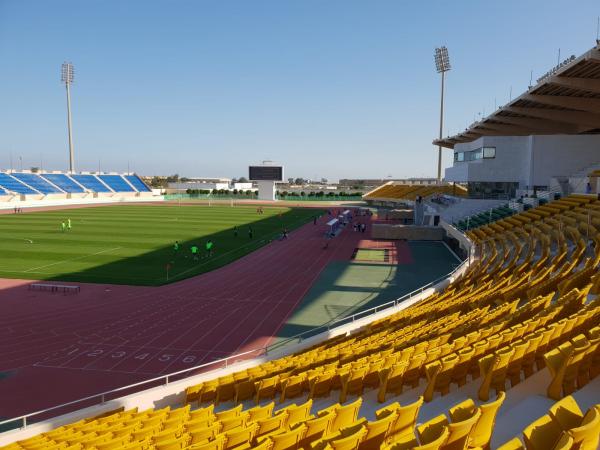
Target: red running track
column 60, row 348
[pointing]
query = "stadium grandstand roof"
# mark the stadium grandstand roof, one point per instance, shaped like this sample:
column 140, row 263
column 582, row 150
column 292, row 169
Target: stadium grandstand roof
column 565, row 100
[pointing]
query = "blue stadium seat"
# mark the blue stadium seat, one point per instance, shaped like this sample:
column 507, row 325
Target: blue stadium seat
column 63, row 181
column 91, row 182
column 38, row 183
column 116, row 183
column 137, row 183
column 12, row 184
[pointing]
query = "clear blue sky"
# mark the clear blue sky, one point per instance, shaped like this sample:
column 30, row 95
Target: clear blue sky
column 203, row 88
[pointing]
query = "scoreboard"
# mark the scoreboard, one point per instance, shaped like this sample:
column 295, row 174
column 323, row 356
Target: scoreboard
column 265, row 173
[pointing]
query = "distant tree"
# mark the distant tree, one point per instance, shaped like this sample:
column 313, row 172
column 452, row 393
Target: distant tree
column 35, row 169
column 290, row 181
column 249, row 192
column 242, row 180
column 302, row 194
column 323, row 180
column 184, row 179
column 158, row 182
column 299, row 181
column 173, row 178
column 215, row 191
column 235, row 191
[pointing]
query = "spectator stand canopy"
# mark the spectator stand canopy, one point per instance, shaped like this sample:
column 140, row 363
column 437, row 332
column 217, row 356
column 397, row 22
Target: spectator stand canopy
column 565, row 100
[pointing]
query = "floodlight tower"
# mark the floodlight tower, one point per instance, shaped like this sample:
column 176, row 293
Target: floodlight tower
column 442, row 65
column 67, row 73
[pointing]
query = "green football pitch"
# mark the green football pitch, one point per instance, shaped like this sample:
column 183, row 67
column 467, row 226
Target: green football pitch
column 133, row 244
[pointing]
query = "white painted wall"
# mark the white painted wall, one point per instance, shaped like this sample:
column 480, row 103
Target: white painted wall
column 528, row 160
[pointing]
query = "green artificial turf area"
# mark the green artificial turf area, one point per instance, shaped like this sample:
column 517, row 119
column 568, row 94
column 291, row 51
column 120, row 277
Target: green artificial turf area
column 133, row 244
column 368, row 254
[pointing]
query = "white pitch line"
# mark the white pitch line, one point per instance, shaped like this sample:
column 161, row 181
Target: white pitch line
column 72, row 259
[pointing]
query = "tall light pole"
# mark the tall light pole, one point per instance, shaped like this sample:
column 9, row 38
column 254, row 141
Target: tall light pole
column 442, row 65
column 67, row 73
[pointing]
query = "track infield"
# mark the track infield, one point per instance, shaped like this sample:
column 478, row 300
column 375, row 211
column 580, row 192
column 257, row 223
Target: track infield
column 133, row 244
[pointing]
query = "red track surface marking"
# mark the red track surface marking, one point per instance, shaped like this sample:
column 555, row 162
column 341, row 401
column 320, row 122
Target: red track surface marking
column 60, row 348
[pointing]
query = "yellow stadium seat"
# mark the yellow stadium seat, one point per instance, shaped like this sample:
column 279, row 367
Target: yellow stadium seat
column 289, row 440
column 345, row 415
column 113, row 444
column 292, row 387
column 209, row 433
column 266, row 388
column 563, row 363
column 439, row 375
column 587, row 435
column 372, row 378
column 349, row 442
column 260, row 412
column 296, row 413
column 321, row 384
column 493, row 370
column 433, row 429
column 352, row 382
column 461, row 368
column 566, row 413
column 377, row 432
column 244, row 390
column 406, row 418
column 316, row 429
column 391, row 380
column 483, row 429
column 229, row 413
column 202, row 413
column 271, row 424
column 234, row 422
column 542, row 434
column 240, row 436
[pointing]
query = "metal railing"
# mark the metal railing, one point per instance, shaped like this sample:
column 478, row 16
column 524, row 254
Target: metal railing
column 164, row 380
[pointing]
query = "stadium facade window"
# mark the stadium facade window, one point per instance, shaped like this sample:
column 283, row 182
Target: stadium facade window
column 489, row 152
column 475, row 155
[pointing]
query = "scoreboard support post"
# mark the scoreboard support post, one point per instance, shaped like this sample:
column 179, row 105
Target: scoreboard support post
column 266, row 190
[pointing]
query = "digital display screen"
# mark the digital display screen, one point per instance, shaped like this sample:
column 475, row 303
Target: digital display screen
column 266, row 173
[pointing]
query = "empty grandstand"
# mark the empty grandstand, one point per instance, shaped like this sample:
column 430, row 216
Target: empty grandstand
column 34, row 189
column 450, row 371
column 393, row 191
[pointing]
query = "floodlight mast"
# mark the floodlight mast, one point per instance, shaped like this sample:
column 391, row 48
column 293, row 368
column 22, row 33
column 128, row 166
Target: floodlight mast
column 442, row 65
column 67, row 73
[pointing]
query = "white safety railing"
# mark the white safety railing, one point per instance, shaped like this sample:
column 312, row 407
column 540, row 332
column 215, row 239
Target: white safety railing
column 163, row 380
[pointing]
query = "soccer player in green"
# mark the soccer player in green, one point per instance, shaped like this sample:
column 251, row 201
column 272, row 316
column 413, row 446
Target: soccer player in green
column 176, row 246
column 69, row 224
column 195, row 252
column 63, row 226
column 209, row 246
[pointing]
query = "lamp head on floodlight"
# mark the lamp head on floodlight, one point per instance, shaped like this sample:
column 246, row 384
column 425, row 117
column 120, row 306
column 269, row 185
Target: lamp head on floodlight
column 66, row 73
column 442, row 61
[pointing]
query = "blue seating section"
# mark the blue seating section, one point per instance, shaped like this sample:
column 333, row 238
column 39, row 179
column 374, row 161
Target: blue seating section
column 116, row 183
column 64, row 182
column 90, row 182
column 11, row 184
column 36, row 182
column 137, row 183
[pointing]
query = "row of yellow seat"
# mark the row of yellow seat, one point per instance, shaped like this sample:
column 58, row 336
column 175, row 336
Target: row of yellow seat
column 293, row 427
column 412, row 191
column 565, row 427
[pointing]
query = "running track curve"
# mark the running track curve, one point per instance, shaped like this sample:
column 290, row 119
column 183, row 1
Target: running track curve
column 60, row 348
